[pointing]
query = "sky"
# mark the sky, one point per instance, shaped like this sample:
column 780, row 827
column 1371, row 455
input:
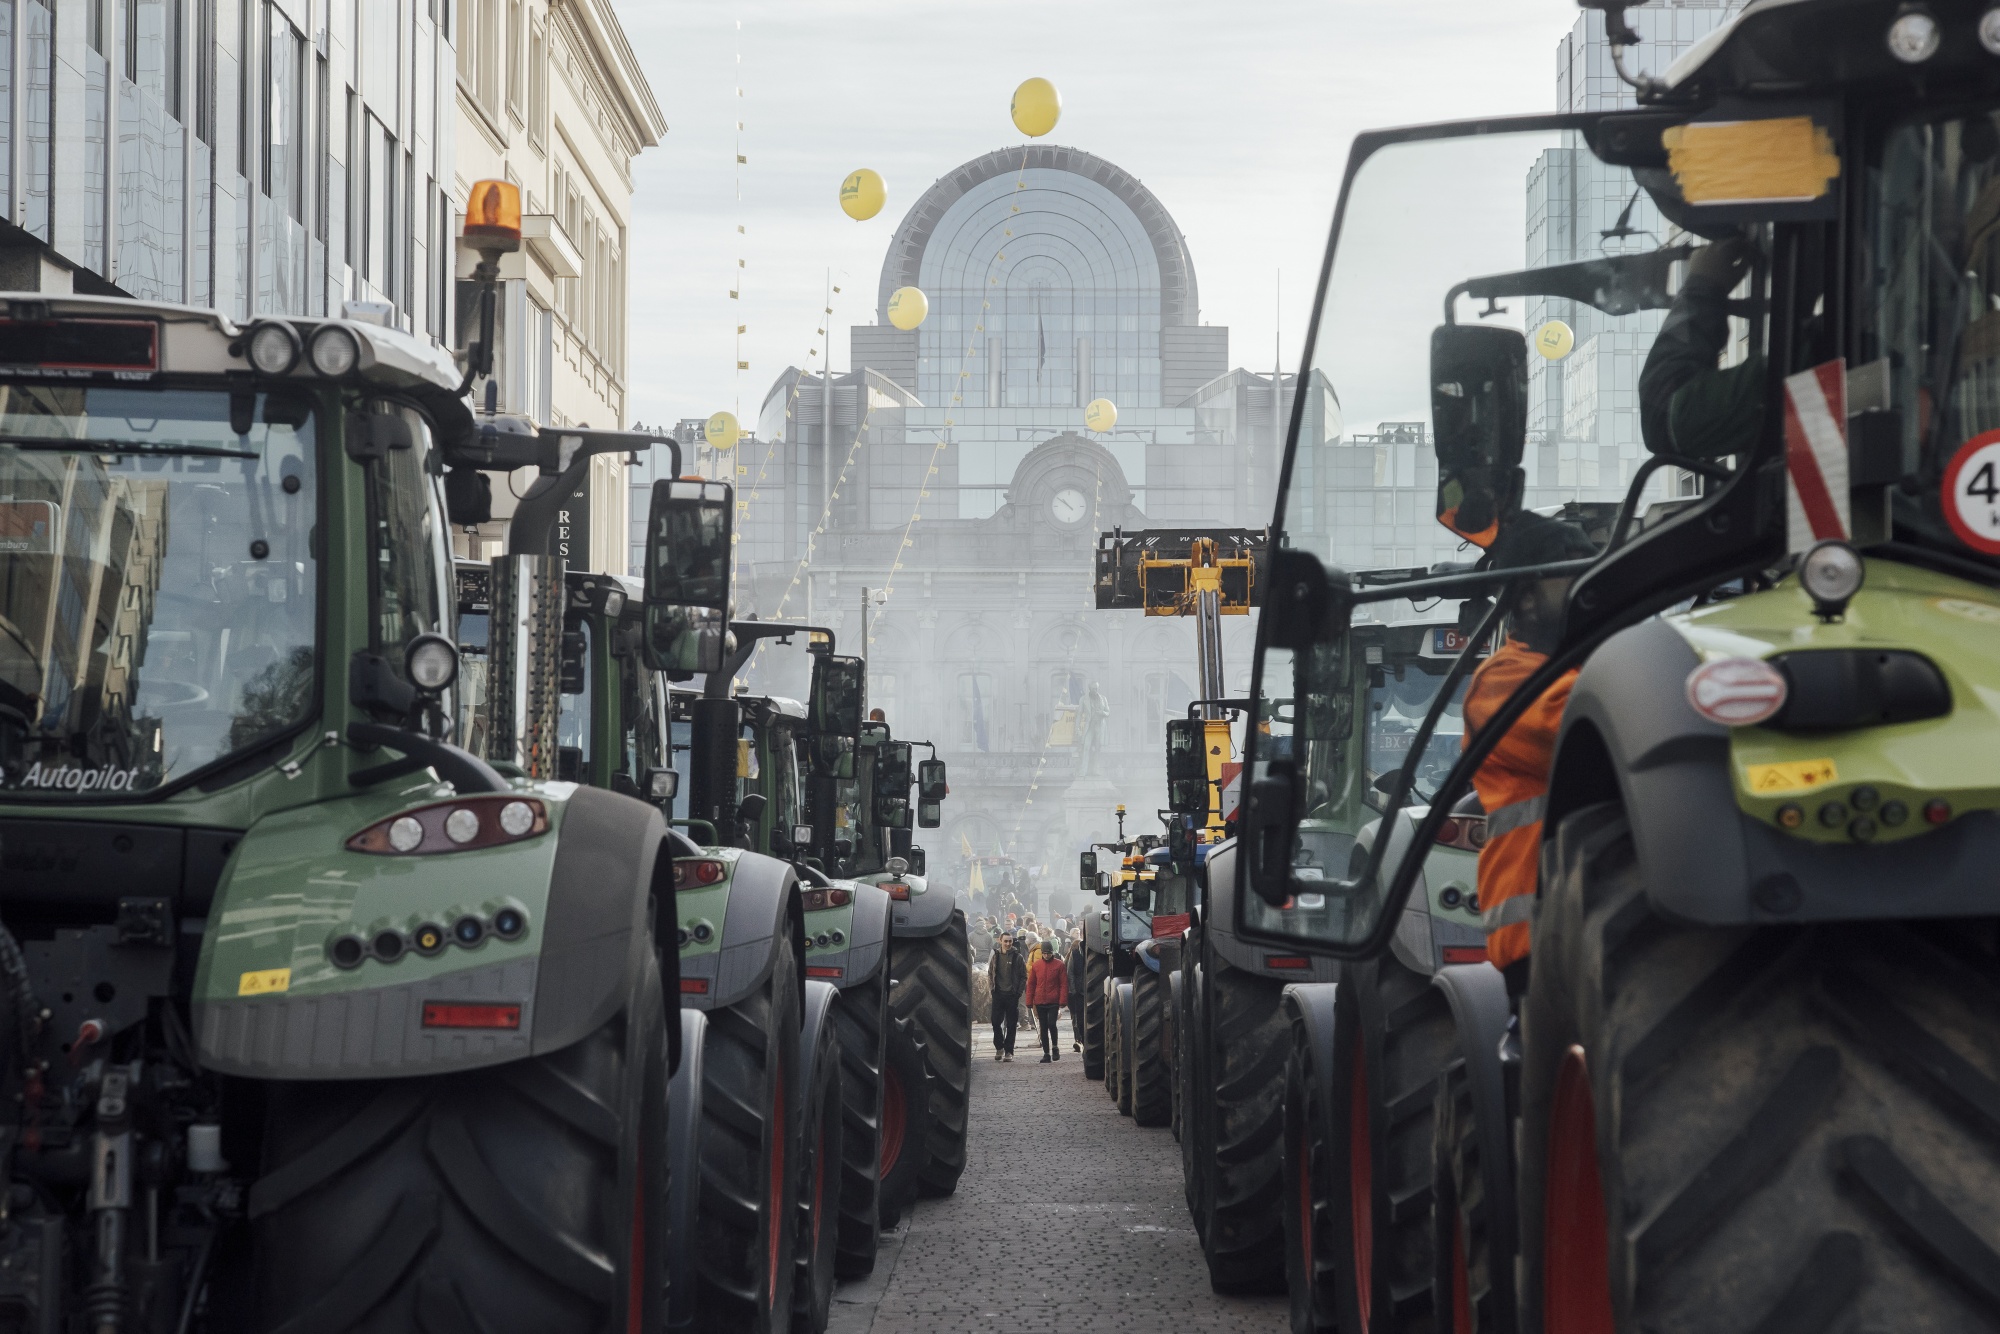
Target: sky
column 1237, row 116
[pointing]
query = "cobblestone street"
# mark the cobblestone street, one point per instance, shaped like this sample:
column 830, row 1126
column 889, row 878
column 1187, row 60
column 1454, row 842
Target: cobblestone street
column 1069, row 1218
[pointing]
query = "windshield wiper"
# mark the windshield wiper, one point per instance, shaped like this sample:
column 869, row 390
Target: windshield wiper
column 43, row 444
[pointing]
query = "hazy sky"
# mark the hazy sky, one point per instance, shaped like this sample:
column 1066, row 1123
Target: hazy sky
column 1237, row 115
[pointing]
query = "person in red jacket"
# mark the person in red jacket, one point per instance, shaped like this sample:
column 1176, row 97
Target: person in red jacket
column 1048, row 991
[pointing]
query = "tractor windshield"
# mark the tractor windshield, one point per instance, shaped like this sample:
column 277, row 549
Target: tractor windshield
column 1399, row 695
column 157, row 583
column 1930, row 345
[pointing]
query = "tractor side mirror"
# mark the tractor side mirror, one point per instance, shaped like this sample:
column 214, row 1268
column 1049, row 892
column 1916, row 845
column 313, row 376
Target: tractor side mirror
column 1086, row 872
column 1479, row 414
column 1105, row 881
column 687, row 576
column 892, row 785
column 931, row 784
column 838, row 706
column 1187, row 766
column 929, row 815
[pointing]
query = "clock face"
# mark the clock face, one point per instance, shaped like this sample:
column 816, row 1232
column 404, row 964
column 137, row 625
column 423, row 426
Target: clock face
column 1068, row 506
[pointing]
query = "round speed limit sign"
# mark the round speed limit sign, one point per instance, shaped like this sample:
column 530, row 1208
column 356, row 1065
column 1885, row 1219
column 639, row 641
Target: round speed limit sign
column 1972, row 493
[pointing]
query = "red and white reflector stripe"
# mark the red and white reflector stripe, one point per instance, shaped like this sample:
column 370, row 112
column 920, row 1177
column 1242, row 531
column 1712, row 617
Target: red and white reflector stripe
column 1816, row 455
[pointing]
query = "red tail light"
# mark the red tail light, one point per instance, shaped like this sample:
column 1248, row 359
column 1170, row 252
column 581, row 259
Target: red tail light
column 695, row 872
column 1287, row 961
column 816, row 899
column 1465, row 954
column 818, row 970
column 694, row 986
column 447, row 1014
column 1466, row 832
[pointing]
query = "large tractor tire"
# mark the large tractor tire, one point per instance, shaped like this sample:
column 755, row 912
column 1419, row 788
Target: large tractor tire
column 744, row 1231
column 1242, row 1090
column 1753, row 1128
column 518, row 1198
column 934, row 991
column 1392, row 1039
column 1190, row 1077
column 906, row 1118
column 1096, row 969
column 1152, row 1058
column 818, row 1116
column 1177, row 1007
column 861, row 1022
column 1128, row 1033
column 1472, row 1163
column 1314, row 1266
column 1114, row 1040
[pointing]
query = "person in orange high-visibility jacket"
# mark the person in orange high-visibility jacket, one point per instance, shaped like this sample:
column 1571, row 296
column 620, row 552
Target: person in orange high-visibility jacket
column 1513, row 781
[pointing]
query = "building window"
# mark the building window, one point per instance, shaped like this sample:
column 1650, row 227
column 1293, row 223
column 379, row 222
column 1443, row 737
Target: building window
column 284, row 125
column 538, row 82
column 514, row 71
column 541, row 354
column 977, row 727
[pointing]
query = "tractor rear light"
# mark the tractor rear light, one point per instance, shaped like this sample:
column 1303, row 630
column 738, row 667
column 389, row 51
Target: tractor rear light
column 1937, row 811
column 1448, row 833
column 1466, row 832
column 1465, row 954
column 452, row 1014
column 897, row 890
column 819, row 970
column 817, row 899
column 1736, row 692
column 696, row 872
column 1287, row 961
column 694, row 986
column 460, row 825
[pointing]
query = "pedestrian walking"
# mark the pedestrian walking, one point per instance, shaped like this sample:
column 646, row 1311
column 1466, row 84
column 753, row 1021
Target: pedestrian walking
column 1007, row 974
column 1048, row 992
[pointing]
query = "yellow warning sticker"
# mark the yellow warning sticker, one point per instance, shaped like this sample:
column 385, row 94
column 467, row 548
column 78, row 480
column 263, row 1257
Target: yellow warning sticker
column 264, row 982
column 1791, row 776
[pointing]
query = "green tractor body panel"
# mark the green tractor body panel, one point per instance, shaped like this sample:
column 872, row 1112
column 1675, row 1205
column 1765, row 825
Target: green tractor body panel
column 1864, row 771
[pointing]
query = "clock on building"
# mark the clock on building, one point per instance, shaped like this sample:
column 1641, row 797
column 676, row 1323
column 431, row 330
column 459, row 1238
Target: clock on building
column 1068, row 506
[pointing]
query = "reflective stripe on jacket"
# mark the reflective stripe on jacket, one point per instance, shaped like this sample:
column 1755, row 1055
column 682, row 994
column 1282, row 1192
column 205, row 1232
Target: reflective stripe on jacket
column 1513, row 785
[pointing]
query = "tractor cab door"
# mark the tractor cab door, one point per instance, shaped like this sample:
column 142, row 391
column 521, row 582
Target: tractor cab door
column 1551, row 335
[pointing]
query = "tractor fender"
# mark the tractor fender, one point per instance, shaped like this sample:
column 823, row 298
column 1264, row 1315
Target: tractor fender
column 1097, row 929
column 763, row 901
column 927, row 912
column 867, row 937
column 1477, row 995
column 568, row 975
column 1218, row 922
column 1630, row 735
column 820, row 998
column 1309, row 1005
column 684, row 1092
column 1412, row 944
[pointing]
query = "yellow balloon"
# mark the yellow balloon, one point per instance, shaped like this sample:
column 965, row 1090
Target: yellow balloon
column 907, row 308
column 722, row 430
column 1554, row 340
column 862, row 194
column 1100, row 414
column 1036, row 108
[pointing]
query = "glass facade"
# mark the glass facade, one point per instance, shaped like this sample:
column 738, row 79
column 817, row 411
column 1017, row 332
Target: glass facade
column 255, row 156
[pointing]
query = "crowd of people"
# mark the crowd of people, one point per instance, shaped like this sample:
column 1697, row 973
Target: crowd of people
column 1030, row 969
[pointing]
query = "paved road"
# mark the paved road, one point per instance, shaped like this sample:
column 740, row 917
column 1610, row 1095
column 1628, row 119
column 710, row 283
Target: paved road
column 1069, row 1218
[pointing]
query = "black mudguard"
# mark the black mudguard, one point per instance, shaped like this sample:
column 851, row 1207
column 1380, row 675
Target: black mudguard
column 1630, row 735
column 925, row 913
column 820, row 998
column 763, row 901
column 1310, row 1005
column 1477, row 995
column 684, row 1161
column 1218, row 924
column 1097, row 929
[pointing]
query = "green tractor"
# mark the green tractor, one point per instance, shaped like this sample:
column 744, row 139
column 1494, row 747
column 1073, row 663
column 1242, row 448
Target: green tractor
column 1744, row 1078
column 861, row 825
column 312, row 1017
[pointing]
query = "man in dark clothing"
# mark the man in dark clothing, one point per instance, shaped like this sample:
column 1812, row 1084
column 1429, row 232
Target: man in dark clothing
column 1686, row 405
column 1007, row 973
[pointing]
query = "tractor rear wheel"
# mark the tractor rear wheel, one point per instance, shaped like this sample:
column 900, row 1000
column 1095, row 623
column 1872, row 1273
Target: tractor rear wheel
column 1152, row 1067
column 1757, row 1128
column 1243, row 1090
column 934, row 991
column 906, row 1118
column 861, row 1021
column 1392, row 1039
column 818, row 1155
column 1177, row 1007
column 1313, row 1263
column 1190, row 1078
column 1114, row 1040
column 521, row 1197
column 1472, row 1165
column 1096, row 968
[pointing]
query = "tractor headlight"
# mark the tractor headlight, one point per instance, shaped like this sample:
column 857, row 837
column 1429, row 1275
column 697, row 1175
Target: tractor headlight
column 1913, row 37
column 1832, row 573
column 333, row 351
column 274, row 348
column 432, row 662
